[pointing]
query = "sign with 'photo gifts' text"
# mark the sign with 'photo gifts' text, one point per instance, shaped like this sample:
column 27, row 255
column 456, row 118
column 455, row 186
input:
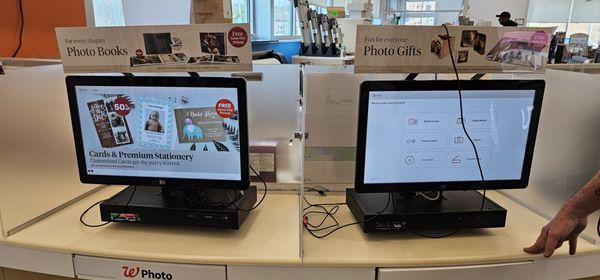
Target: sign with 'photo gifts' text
column 428, row 49
column 165, row 48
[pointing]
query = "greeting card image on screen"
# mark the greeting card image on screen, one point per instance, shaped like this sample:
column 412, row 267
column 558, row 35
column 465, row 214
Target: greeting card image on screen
column 160, row 131
column 411, row 135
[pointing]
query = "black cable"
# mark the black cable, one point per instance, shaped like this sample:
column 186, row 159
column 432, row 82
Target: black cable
column 21, row 29
column 462, row 117
column 263, row 197
column 438, row 236
column 337, row 227
column 598, row 227
column 90, row 208
column 328, row 213
column 321, row 204
column 319, row 189
column 86, row 211
column 131, row 196
column 464, row 128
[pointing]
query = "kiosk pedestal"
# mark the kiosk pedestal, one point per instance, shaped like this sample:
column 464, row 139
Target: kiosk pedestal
column 177, row 206
column 454, row 210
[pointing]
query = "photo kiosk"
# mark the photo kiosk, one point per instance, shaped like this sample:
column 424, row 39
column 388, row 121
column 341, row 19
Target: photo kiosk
column 416, row 167
column 181, row 143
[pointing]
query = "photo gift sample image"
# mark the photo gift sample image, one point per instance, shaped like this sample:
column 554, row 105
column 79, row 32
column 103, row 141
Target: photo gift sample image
column 160, row 132
column 523, row 48
column 473, row 39
column 441, row 44
column 468, row 38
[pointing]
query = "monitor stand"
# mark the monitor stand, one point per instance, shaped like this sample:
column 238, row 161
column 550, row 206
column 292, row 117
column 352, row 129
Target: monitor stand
column 408, row 212
column 179, row 206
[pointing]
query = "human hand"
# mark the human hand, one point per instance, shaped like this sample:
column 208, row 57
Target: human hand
column 566, row 225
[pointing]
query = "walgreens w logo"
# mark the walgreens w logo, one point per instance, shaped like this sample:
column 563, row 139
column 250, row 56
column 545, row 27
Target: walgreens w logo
column 130, row 272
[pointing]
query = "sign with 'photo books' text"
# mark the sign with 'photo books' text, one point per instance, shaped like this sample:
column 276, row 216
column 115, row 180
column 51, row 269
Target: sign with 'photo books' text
column 164, row 48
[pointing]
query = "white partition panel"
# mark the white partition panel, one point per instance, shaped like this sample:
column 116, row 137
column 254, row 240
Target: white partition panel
column 567, row 150
column 38, row 168
column 331, row 122
column 273, row 114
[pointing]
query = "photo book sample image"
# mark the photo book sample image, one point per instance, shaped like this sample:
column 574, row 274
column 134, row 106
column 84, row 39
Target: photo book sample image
column 216, row 59
column 142, row 60
column 520, row 48
column 112, row 128
column 174, row 58
column 158, row 43
column 214, row 46
column 155, row 123
column 213, row 43
column 160, row 48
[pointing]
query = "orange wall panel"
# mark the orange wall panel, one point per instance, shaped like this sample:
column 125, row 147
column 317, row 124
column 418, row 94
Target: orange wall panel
column 41, row 17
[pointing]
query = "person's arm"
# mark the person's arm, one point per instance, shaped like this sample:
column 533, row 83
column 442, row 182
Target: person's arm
column 570, row 221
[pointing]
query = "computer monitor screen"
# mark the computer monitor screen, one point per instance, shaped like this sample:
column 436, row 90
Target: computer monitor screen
column 158, row 43
column 414, row 137
column 171, row 131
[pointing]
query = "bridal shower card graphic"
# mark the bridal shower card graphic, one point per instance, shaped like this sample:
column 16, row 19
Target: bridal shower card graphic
column 155, row 123
column 112, row 128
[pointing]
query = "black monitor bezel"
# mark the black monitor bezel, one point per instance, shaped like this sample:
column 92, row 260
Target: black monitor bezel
column 391, row 86
column 134, row 81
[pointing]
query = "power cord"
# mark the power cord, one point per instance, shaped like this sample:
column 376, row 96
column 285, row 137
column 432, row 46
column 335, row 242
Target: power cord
column 319, row 189
column 131, row 196
column 262, row 198
column 329, row 213
column 464, row 128
column 436, row 198
column 462, row 116
column 93, row 205
column 86, row 211
column 598, row 227
column 21, row 29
